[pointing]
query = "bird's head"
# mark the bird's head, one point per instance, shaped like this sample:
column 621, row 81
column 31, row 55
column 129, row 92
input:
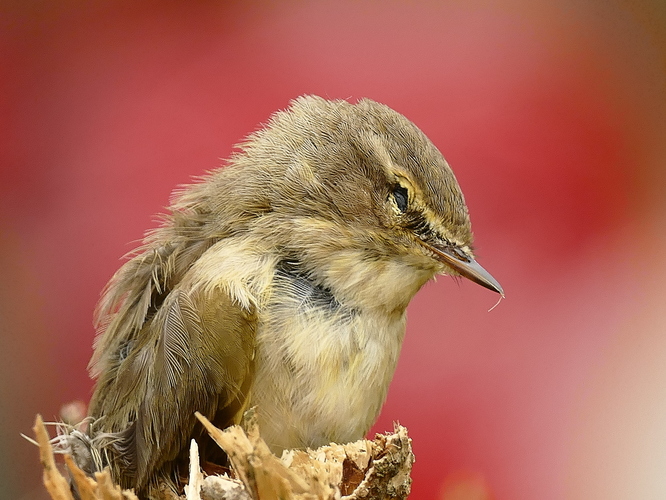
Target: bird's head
column 360, row 197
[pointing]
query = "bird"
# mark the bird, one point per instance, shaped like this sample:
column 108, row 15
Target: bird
column 279, row 281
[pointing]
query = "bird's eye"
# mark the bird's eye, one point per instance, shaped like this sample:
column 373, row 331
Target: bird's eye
column 401, row 197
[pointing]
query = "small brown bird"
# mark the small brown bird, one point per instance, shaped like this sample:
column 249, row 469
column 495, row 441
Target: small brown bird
column 281, row 282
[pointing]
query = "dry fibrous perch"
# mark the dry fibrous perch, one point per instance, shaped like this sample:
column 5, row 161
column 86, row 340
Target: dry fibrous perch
column 378, row 469
column 99, row 488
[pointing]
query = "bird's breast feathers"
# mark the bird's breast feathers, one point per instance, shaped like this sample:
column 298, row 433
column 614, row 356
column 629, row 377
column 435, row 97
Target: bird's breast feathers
column 323, row 366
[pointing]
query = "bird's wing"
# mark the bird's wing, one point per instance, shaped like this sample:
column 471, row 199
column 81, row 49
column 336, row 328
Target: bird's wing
column 195, row 354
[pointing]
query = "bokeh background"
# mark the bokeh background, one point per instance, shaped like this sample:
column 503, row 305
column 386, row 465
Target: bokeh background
column 553, row 116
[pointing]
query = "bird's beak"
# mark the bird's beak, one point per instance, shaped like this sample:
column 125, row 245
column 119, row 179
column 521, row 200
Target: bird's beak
column 465, row 265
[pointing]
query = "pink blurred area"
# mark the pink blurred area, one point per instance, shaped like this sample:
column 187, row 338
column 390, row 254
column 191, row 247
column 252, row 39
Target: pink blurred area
column 552, row 115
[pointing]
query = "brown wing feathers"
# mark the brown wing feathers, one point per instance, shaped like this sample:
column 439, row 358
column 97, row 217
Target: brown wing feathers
column 161, row 362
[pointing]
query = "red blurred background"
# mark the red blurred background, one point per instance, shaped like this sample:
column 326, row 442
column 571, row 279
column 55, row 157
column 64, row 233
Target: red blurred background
column 553, row 116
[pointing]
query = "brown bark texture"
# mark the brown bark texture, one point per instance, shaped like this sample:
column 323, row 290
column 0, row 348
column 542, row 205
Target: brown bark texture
column 362, row 470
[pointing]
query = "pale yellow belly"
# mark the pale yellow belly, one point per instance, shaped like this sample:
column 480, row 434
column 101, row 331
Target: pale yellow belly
column 322, row 378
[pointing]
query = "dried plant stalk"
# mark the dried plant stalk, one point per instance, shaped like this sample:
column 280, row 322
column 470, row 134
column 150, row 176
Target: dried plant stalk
column 363, row 470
